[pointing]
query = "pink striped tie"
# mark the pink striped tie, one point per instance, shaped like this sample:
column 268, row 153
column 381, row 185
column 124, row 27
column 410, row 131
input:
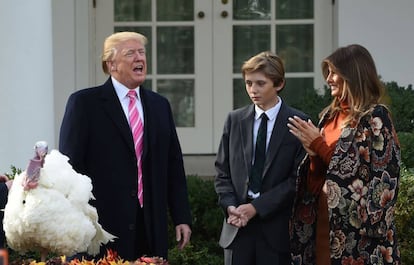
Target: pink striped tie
column 137, row 132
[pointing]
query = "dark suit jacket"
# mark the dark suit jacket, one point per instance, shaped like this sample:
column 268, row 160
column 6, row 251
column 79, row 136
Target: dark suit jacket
column 4, row 192
column 95, row 135
column 233, row 164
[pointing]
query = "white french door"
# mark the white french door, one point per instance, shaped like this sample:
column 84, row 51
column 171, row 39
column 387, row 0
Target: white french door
column 196, row 49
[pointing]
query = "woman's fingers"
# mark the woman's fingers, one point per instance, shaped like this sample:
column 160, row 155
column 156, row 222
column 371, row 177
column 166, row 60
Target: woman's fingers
column 297, row 126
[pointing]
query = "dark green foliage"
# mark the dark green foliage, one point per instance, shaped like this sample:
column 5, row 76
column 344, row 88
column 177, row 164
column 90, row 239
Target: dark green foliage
column 14, row 171
column 16, row 258
column 310, row 102
column 407, row 148
column 404, row 216
column 401, row 101
column 207, row 216
column 192, row 255
column 207, row 221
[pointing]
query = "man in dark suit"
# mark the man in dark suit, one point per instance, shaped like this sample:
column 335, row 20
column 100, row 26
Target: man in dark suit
column 96, row 136
column 257, row 200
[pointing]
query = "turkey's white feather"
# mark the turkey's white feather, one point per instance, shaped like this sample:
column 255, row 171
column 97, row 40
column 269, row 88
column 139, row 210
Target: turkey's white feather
column 56, row 215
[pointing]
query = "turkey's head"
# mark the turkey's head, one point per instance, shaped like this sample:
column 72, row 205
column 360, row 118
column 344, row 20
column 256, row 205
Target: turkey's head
column 31, row 178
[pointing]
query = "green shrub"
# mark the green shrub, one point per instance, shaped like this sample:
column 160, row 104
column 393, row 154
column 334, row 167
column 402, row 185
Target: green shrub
column 407, row 148
column 14, row 171
column 207, row 221
column 310, row 102
column 404, row 216
column 192, row 255
column 401, row 100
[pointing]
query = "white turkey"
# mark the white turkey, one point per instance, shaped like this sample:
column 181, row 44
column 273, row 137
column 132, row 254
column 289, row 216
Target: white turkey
column 48, row 209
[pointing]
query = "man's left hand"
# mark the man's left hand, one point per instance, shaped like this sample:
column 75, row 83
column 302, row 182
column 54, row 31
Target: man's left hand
column 182, row 235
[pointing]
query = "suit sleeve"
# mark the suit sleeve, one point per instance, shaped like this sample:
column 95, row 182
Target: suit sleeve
column 73, row 133
column 223, row 183
column 178, row 194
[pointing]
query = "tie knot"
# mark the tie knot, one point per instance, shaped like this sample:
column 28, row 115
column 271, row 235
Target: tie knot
column 264, row 116
column 132, row 94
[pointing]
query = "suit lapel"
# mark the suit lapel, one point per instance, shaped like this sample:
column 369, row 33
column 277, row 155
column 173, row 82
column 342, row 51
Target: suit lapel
column 146, row 106
column 113, row 108
column 246, row 136
column 277, row 137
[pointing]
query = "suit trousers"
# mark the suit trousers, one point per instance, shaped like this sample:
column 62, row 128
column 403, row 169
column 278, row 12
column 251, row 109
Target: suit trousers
column 251, row 248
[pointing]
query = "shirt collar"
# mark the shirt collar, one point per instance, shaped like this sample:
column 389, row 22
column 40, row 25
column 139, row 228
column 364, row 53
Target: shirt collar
column 271, row 113
column 122, row 90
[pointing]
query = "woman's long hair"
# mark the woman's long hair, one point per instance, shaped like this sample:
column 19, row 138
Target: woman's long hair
column 362, row 87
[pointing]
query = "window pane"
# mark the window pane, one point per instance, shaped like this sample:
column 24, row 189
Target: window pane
column 175, row 10
column 294, row 43
column 248, row 41
column 146, row 31
column 180, row 93
column 132, row 10
column 294, row 9
column 175, row 54
column 251, row 9
column 148, row 84
column 294, row 89
column 240, row 96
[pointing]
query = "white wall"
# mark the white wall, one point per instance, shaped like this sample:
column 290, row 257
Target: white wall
column 386, row 29
column 45, row 57
column 26, row 74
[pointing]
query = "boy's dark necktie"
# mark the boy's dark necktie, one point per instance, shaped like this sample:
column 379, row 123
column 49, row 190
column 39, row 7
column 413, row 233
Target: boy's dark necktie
column 255, row 182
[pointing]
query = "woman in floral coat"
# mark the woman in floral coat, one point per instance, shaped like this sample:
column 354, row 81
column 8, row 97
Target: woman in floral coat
column 348, row 183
